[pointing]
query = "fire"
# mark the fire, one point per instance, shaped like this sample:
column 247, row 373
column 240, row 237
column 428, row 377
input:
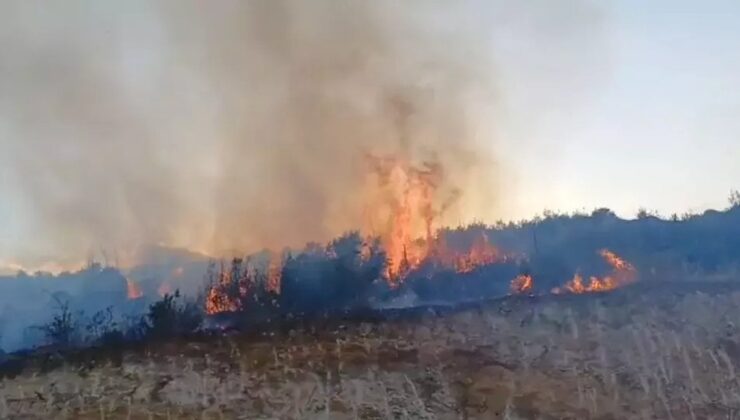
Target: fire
column 402, row 201
column 217, row 302
column 405, row 200
column 274, row 275
column 521, row 284
column 575, row 285
column 133, row 291
column 219, row 299
column 231, row 287
column 617, row 263
column 623, row 273
column 480, row 253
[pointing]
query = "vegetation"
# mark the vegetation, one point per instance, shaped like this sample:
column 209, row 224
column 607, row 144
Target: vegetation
column 344, row 274
column 338, row 277
column 734, row 199
column 172, row 317
column 62, row 330
column 621, row 355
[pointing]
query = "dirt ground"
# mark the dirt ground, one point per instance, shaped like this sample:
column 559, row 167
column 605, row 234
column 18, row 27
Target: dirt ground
column 631, row 354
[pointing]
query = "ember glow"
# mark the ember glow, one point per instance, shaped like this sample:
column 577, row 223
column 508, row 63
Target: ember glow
column 274, row 275
column 521, row 284
column 231, row 288
column 481, row 253
column 218, row 301
column 622, row 274
column 133, row 291
column 218, row 298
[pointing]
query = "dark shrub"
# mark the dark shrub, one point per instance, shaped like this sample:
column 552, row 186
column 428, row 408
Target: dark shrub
column 62, row 330
column 170, row 317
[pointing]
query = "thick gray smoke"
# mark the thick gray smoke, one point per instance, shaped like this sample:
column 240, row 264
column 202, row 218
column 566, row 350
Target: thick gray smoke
column 237, row 125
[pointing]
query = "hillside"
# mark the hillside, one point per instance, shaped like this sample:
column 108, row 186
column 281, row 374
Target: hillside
column 640, row 352
column 329, row 277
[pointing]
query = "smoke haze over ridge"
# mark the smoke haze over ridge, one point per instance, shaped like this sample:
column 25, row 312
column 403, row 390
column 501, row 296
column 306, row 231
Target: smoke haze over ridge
column 237, row 125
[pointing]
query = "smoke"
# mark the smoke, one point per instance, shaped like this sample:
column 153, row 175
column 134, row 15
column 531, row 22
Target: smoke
column 236, row 125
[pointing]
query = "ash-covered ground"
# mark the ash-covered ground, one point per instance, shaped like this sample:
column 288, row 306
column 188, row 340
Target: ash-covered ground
column 667, row 350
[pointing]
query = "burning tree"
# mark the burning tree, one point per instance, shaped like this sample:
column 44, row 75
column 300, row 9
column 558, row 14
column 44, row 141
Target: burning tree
column 334, row 277
column 239, row 287
column 522, row 283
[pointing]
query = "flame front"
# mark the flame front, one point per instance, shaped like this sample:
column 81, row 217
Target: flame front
column 617, row 263
column 401, row 205
column 133, row 291
column 229, row 291
column 227, row 294
column 274, row 275
column 521, row 284
column 218, row 302
column 218, row 298
column 404, row 203
column 479, row 254
column 622, row 274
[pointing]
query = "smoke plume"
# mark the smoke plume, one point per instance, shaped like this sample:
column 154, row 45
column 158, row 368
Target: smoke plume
column 233, row 126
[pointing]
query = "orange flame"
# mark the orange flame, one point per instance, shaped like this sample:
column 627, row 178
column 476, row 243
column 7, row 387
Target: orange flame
column 622, row 274
column 274, row 275
column 408, row 199
column 218, row 298
column 521, row 284
column 402, row 201
column 133, row 291
column 480, row 253
column 228, row 293
column 217, row 302
column 617, row 263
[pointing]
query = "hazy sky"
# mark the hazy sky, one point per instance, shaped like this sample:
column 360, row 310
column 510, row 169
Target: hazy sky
column 621, row 104
column 659, row 124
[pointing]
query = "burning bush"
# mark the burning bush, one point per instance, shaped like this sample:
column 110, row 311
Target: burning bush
column 241, row 287
column 558, row 253
column 338, row 276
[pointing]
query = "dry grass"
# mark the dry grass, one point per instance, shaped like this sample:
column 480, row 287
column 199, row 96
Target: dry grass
column 626, row 355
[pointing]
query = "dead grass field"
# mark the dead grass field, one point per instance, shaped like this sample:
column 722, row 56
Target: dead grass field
column 632, row 354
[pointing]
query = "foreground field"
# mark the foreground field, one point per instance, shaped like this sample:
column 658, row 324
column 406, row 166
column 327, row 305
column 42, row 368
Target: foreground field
column 635, row 353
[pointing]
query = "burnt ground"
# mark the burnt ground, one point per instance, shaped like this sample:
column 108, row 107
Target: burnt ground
column 667, row 350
